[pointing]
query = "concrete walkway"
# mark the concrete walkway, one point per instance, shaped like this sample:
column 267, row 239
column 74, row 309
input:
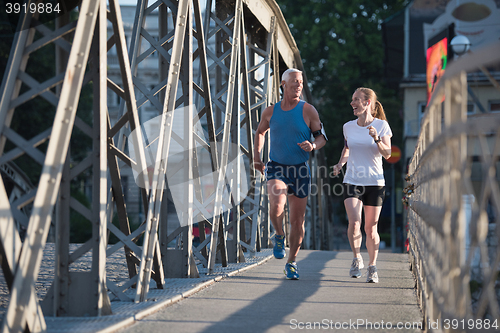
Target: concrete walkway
column 325, row 298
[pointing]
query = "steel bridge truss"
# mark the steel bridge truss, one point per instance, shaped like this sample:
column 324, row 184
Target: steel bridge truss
column 236, row 48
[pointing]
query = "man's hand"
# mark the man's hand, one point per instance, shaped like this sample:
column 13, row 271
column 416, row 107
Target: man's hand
column 306, row 146
column 259, row 165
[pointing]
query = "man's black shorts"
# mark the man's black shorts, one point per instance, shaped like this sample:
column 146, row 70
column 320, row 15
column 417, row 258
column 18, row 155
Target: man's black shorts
column 296, row 177
column 369, row 195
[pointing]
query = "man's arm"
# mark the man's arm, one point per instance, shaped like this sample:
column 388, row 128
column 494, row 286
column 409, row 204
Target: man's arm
column 260, row 138
column 315, row 125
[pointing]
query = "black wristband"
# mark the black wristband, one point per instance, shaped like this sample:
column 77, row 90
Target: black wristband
column 379, row 139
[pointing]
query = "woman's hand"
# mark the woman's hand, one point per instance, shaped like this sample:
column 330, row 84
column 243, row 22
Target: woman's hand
column 372, row 132
column 337, row 168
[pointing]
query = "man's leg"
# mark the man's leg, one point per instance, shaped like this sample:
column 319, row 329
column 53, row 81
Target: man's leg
column 277, row 198
column 297, row 214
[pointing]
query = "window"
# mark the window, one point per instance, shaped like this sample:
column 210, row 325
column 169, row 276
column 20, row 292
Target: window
column 125, row 188
column 494, row 106
column 151, row 89
column 471, row 108
column 155, row 53
column 111, row 97
column 421, row 111
column 412, row 126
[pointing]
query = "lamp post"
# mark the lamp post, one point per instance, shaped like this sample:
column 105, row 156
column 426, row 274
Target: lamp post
column 460, row 45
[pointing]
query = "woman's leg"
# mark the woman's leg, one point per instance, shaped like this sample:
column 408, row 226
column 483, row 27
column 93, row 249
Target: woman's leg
column 372, row 214
column 353, row 207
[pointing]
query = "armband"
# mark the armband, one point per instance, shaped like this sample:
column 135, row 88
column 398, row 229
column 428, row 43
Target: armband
column 320, row 132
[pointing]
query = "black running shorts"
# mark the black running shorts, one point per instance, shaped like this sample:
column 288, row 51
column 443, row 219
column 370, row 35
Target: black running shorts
column 296, row 177
column 369, row 195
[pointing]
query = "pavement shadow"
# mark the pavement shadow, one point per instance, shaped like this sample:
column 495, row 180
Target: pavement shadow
column 272, row 308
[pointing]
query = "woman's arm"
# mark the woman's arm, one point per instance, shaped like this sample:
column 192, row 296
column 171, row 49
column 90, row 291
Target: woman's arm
column 343, row 160
column 383, row 143
column 384, row 146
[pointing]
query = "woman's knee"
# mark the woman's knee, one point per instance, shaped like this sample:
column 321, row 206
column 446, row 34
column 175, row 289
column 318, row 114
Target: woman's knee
column 371, row 230
column 354, row 225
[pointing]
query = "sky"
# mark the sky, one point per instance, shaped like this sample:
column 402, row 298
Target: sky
column 128, row 2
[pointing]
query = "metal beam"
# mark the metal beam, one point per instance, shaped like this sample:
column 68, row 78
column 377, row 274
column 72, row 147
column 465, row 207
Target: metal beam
column 238, row 78
column 30, row 258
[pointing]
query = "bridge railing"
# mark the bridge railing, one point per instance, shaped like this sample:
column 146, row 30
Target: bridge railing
column 453, row 200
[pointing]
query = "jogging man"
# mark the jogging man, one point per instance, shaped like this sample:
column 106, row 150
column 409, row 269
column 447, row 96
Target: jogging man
column 291, row 122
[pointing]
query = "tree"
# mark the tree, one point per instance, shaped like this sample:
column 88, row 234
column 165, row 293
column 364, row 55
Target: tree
column 340, row 43
column 37, row 115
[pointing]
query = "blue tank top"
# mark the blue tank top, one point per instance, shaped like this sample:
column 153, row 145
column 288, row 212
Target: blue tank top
column 288, row 128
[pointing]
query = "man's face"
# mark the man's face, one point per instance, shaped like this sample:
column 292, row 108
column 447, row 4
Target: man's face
column 294, row 84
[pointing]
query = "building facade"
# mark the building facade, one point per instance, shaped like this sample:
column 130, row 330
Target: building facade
column 409, row 37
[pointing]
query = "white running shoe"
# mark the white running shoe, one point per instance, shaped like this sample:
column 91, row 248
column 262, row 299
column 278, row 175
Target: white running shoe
column 356, row 266
column 372, row 276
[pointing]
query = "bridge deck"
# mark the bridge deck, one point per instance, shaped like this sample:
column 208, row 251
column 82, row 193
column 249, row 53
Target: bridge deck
column 255, row 297
column 260, row 299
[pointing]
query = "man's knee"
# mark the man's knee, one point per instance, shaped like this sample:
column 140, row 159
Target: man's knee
column 276, row 208
column 297, row 223
column 276, row 188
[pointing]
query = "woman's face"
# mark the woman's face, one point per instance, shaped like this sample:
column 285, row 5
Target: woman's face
column 359, row 105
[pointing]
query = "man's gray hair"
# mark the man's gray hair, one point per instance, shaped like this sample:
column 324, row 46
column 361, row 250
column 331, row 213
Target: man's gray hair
column 286, row 74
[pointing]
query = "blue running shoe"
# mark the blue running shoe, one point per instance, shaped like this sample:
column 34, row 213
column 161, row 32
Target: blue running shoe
column 279, row 247
column 291, row 271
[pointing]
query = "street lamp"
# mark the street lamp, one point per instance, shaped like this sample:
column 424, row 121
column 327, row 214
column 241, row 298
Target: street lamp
column 460, row 45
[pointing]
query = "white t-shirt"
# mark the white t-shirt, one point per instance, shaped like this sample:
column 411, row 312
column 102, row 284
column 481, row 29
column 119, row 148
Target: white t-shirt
column 364, row 165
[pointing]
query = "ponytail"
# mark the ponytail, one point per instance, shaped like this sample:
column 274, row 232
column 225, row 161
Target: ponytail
column 377, row 108
column 378, row 111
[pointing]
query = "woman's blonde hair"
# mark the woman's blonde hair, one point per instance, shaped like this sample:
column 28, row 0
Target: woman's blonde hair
column 377, row 108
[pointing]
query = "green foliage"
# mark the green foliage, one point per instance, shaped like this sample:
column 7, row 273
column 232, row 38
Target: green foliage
column 80, row 227
column 340, row 43
column 112, row 238
column 386, row 237
column 475, row 286
column 37, row 115
column 133, row 226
